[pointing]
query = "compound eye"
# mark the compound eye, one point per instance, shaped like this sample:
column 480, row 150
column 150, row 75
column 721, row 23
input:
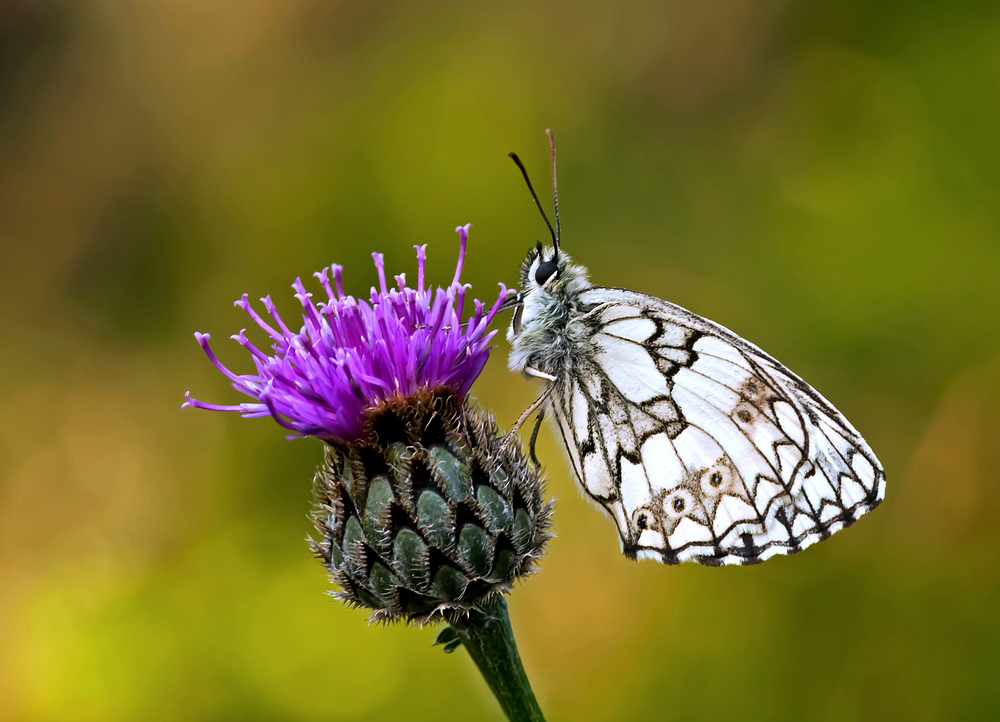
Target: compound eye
column 544, row 271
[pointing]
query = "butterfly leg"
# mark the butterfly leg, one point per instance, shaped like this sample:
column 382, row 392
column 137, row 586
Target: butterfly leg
column 534, row 438
column 535, row 406
column 539, row 406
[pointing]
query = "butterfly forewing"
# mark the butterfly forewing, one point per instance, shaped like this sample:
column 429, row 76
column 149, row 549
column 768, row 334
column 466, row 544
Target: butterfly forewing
column 701, row 446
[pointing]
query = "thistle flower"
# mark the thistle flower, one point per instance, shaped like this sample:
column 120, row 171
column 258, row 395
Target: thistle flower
column 351, row 356
column 423, row 508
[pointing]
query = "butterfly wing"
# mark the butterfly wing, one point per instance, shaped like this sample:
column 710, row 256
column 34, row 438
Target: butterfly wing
column 700, row 445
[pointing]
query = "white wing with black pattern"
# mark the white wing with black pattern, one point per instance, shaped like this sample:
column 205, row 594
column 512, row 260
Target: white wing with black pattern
column 701, row 446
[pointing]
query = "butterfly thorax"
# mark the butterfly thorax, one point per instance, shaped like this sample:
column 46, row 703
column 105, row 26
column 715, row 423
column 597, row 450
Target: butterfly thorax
column 549, row 327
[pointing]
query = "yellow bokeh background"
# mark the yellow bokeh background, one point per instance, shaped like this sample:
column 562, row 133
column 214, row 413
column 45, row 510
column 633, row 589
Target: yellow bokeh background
column 823, row 178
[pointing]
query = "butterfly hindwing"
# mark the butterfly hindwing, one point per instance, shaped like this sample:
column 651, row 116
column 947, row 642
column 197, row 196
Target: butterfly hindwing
column 701, row 446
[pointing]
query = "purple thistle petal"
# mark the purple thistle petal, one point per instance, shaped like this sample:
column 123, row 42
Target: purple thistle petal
column 351, row 355
column 380, row 267
column 504, row 293
column 242, row 340
column 463, row 234
column 324, row 280
column 337, row 271
column 202, row 339
column 244, row 303
column 305, row 298
column 421, row 260
column 269, row 306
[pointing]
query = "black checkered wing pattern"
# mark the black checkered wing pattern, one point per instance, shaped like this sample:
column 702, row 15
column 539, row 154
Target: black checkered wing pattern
column 699, row 445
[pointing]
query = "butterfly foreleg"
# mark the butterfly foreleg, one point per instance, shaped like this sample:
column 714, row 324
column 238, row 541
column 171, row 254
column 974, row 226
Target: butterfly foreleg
column 538, row 373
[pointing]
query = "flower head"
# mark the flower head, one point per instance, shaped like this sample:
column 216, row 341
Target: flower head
column 352, row 355
column 424, row 510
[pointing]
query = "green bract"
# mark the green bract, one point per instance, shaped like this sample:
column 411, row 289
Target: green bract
column 432, row 512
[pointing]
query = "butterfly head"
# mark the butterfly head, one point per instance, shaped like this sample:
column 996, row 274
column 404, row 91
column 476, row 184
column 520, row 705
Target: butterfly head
column 550, row 287
column 542, row 267
column 541, row 272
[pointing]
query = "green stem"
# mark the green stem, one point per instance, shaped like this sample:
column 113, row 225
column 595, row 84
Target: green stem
column 490, row 641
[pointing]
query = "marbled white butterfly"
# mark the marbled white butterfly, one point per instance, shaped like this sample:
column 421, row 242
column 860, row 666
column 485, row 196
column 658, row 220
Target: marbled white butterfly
column 699, row 445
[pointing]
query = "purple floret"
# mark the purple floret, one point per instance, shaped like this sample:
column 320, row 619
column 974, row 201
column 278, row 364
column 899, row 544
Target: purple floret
column 351, row 355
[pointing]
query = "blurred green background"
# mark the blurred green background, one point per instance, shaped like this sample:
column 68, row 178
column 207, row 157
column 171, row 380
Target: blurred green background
column 822, row 177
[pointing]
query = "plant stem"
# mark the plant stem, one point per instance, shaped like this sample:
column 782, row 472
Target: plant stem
column 490, row 641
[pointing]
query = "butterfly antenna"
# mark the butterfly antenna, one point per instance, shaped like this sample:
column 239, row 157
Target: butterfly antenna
column 524, row 172
column 555, row 188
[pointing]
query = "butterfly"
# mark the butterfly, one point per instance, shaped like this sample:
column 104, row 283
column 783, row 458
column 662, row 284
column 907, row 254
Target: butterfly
column 699, row 445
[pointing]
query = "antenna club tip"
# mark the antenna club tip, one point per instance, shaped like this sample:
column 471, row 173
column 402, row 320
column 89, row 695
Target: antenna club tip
column 512, row 155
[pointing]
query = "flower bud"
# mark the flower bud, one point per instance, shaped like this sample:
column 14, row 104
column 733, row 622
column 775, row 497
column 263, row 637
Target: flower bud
column 432, row 511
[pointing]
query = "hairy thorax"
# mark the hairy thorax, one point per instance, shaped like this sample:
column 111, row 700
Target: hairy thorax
column 552, row 327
